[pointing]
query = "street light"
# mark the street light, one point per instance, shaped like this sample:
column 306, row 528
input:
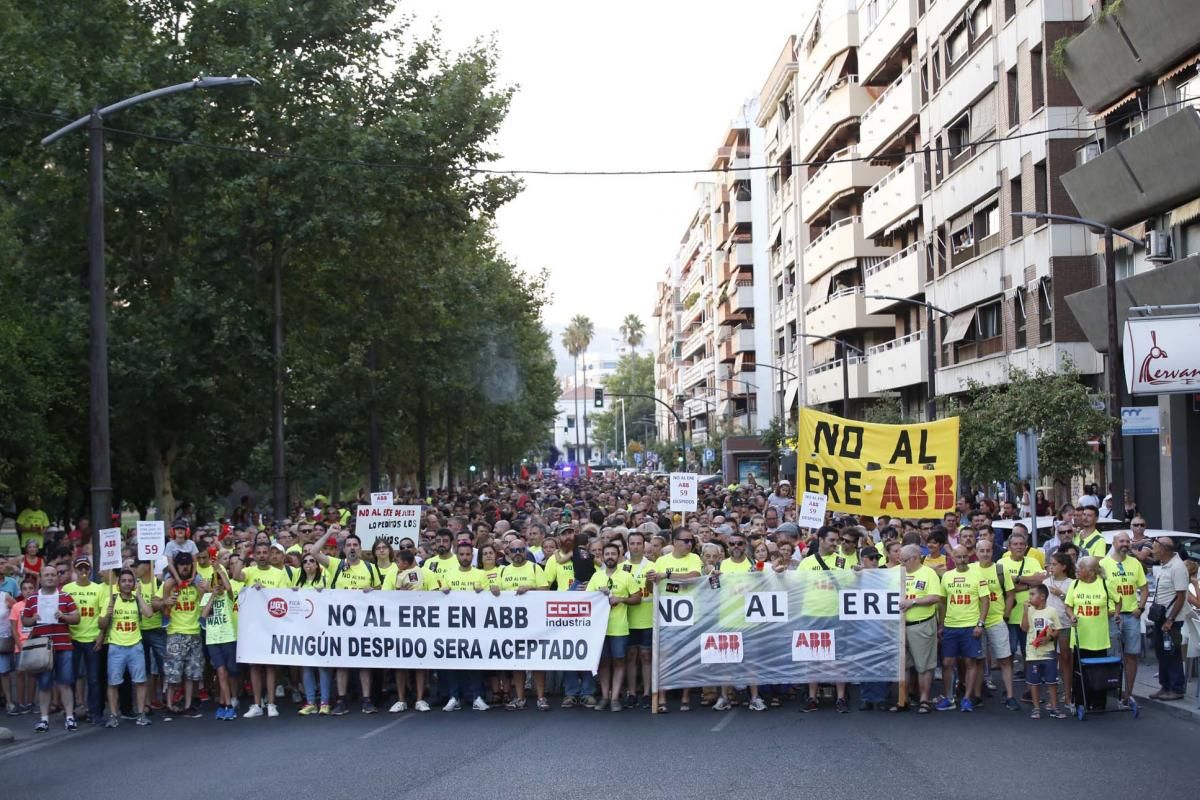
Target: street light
column 844, row 345
column 930, row 355
column 782, row 372
column 98, row 421
column 1116, row 367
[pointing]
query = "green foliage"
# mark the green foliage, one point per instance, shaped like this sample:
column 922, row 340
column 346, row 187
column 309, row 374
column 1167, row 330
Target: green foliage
column 886, row 411
column 634, row 374
column 1054, row 404
column 1058, row 55
column 633, row 331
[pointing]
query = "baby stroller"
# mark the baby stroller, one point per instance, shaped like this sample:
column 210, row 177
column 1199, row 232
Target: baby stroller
column 1095, row 678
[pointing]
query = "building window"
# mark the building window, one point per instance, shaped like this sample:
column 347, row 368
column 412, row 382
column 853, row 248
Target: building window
column 1041, row 187
column 785, row 107
column 1037, row 78
column 1016, row 201
column 1045, row 313
column 958, row 137
column 1010, row 9
column 1012, row 88
column 957, row 46
column 987, row 227
column 987, row 318
column 779, row 347
column 1019, row 323
column 1189, row 94
column 1131, row 127
column 981, row 21
column 1124, row 263
column 570, row 422
column 962, row 239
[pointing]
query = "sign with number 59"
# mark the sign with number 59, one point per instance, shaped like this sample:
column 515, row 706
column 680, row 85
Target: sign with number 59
column 684, row 489
column 151, row 540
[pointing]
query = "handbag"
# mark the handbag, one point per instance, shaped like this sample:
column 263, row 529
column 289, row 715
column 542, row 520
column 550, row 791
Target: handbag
column 37, row 655
column 1157, row 613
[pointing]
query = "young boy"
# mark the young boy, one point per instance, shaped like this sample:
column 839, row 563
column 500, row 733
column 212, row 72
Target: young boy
column 1041, row 626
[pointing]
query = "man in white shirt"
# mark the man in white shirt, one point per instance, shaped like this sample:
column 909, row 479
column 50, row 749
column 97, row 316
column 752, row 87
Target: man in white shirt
column 1170, row 596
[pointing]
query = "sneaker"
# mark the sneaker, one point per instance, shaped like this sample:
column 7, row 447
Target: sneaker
column 600, row 706
column 369, row 708
column 616, row 704
column 543, row 704
column 297, row 698
column 70, row 724
column 516, row 704
column 129, row 715
column 811, row 705
column 398, row 707
column 722, row 704
column 479, row 705
column 629, row 701
column 339, row 709
column 280, row 692
column 253, row 711
column 757, row 704
column 143, row 720
column 204, row 697
column 588, row 701
column 156, row 704
column 112, row 722
column 192, row 712
column 1012, row 705
column 966, row 705
column 272, row 710
column 233, row 704
column 14, row 710
column 644, row 702
column 324, row 710
column 570, row 702
column 842, row 706
column 452, row 705
column 308, row 709
column 945, row 704
column 1035, row 714
column 1054, row 713
column 26, row 709
column 42, row 726
column 222, row 713
column 422, row 706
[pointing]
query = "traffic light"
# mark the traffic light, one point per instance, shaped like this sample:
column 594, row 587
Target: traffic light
column 599, row 400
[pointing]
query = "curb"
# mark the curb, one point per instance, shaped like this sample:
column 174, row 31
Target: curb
column 1178, row 709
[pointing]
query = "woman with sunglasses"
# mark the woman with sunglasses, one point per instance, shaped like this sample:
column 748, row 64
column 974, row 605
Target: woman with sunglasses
column 313, row 576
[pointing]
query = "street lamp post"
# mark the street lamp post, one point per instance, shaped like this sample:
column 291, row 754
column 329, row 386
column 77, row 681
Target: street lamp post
column 1116, row 367
column 98, row 415
column 930, row 347
column 843, row 345
column 782, row 372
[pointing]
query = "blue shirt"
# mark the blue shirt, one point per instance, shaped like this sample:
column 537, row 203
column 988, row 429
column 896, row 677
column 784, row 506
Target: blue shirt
column 11, row 586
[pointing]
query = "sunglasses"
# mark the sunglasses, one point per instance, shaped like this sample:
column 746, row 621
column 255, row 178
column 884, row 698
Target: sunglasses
column 685, row 541
column 1136, row 525
column 516, row 549
column 737, row 543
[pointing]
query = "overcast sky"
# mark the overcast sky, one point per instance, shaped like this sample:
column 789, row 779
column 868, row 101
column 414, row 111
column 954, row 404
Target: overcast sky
column 615, row 85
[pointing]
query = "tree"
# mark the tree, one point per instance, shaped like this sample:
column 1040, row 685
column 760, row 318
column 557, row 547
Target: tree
column 634, row 375
column 633, row 331
column 576, row 339
column 1055, row 404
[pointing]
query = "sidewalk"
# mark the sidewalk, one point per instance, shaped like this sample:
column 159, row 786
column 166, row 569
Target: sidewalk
column 1146, row 684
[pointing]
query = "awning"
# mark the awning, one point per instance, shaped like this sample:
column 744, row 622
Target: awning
column 1186, row 212
column 1179, row 68
column 789, row 395
column 1104, row 112
column 959, row 326
column 1136, row 231
column 819, row 292
column 904, row 220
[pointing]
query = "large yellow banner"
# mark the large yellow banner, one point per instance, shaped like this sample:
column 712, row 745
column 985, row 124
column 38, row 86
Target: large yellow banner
column 869, row 468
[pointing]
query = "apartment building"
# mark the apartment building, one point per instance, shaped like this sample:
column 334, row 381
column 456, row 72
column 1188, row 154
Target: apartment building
column 707, row 362
column 1136, row 68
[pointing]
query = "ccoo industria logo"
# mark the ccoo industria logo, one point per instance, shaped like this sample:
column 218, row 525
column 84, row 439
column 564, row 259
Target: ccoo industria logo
column 569, row 613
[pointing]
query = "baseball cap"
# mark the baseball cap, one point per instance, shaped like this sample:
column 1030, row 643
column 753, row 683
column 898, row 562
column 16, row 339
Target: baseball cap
column 789, row 527
column 868, row 552
column 179, row 525
column 83, row 559
column 785, row 482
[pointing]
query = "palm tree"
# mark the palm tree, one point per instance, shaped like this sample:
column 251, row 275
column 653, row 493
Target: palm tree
column 582, row 331
column 633, row 331
column 570, row 343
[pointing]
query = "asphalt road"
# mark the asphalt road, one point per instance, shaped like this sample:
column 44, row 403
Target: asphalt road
column 587, row 754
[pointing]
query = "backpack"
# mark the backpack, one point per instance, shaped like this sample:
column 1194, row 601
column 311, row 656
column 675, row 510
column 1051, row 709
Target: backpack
column 372, row 570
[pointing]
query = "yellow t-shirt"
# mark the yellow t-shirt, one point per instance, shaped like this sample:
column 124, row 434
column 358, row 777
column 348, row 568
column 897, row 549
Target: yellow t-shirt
column 528, row 574
column 92, row 601
column 619, row 584
column 150, row 591
column 921, row 583
column 419, row 578
column 559, row 574
column 641, row 616
column 1091, row 544
column 124, row 628
column 841, row 560
column 491, row 575
column 459, row 581
column 269, row 578
column 1090, row 603
column 820, row 597
column 440, row 564
column 963, row 590
column 935, row 562
column 1026, row 567
column 668, row 565
column 33, row 519
column 731, row 567
column 1125, row 578
column 221, row 627
column 1039, row 621
column 206, row 573
column 991, row 576
column 185, row 614
column 363, row 575
column 1037, row 555
column 389, row 570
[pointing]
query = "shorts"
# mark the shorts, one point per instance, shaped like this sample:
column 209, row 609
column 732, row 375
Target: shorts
column 154, row 645
column 641, row 637
column 614, row 647
column 920, row 639
column 1041, row 673
column 63, row 672
column 6, row 663
column 223, row 655
column 961, row 643
column 185, row 658
column 1128, row 638
column 126, row 658
column 997, row 640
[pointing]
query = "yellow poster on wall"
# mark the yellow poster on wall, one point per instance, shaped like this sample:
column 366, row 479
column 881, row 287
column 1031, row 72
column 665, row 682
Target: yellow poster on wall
column 869, row 468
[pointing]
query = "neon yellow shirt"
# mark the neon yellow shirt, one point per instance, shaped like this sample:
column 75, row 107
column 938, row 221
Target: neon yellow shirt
column 149, row 591
column 640, row 616
column 963, row 590
column 36, row 520
column 268, row 578
column 669, row 565
column 1125, row 578
column 459, row 581
column 363, row 575
column 185, row 614
column 989, row 576
column 92, row 601
column 921, row 583
column 559, row 574
column 528, row 574
column 620, row 584
column 731, row 567
column 221, row 627
column 1026, row 567
column 440, row 564
column 419, row 578
column 843, row 560
column 124, row 628
column 491, row 575
column 1090, row 603
column 820, row 596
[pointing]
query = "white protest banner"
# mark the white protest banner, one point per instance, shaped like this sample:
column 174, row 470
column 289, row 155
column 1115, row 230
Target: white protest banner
column 389, row 523
column 812, row 510
column 110, row 549
column 684, row 491
column 413, row 629
column 151, row 540
column 382, row 499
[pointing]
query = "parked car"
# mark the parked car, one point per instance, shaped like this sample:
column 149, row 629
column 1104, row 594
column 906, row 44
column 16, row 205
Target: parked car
column 1045, row 527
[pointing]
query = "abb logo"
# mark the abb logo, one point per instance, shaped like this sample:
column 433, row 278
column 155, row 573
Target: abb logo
column 568, row 609
column 277, row 607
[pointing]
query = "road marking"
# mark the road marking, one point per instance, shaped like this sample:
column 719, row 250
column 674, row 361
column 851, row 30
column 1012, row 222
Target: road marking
column 728, row 719
column 391, row 724
column 33, row 745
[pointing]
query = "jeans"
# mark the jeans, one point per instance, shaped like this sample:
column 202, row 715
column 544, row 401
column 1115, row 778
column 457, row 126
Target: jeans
column 311, row 676
column 86, row 665
column 874, row 691
column 1171, row 676
column 578, row 684
column 462, row 684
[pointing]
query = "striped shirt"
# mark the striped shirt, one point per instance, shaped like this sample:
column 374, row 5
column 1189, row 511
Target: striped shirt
column 57, row 632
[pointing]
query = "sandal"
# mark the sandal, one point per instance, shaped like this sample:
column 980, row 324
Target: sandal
column 924, row 707
column 684, row 707
column 776, row 702
column 662, row 708
column 1036, row 714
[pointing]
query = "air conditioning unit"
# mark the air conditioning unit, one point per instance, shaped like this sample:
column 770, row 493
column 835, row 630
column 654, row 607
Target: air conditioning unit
column 1158, row 247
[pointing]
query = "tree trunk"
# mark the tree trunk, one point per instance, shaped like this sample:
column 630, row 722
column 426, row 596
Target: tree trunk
column 162, row 460
column 449, row 454
column 423, row 445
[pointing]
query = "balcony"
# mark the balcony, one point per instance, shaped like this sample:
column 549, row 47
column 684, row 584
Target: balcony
column 824, row 383
column 690, row 376
column 901, row 275
column 841, row 241
column 696, row 407
column 891, row 30
column 972, row 283
column 1140, row 41
column 898, row 363
column 844, row 102
column 740, row 297
column 895, row 198
column 845, row 310
column 1144, row 176
column 740, row 340
column 965, row 85
column 739, row 212
column 740, row 257
column 695, row 341
column 838, row 178
column 834, row 33
column 892, row 113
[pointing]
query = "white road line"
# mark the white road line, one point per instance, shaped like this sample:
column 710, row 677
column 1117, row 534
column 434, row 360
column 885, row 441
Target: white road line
column 34, row 745
column 391, row 724
column 728, row 719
